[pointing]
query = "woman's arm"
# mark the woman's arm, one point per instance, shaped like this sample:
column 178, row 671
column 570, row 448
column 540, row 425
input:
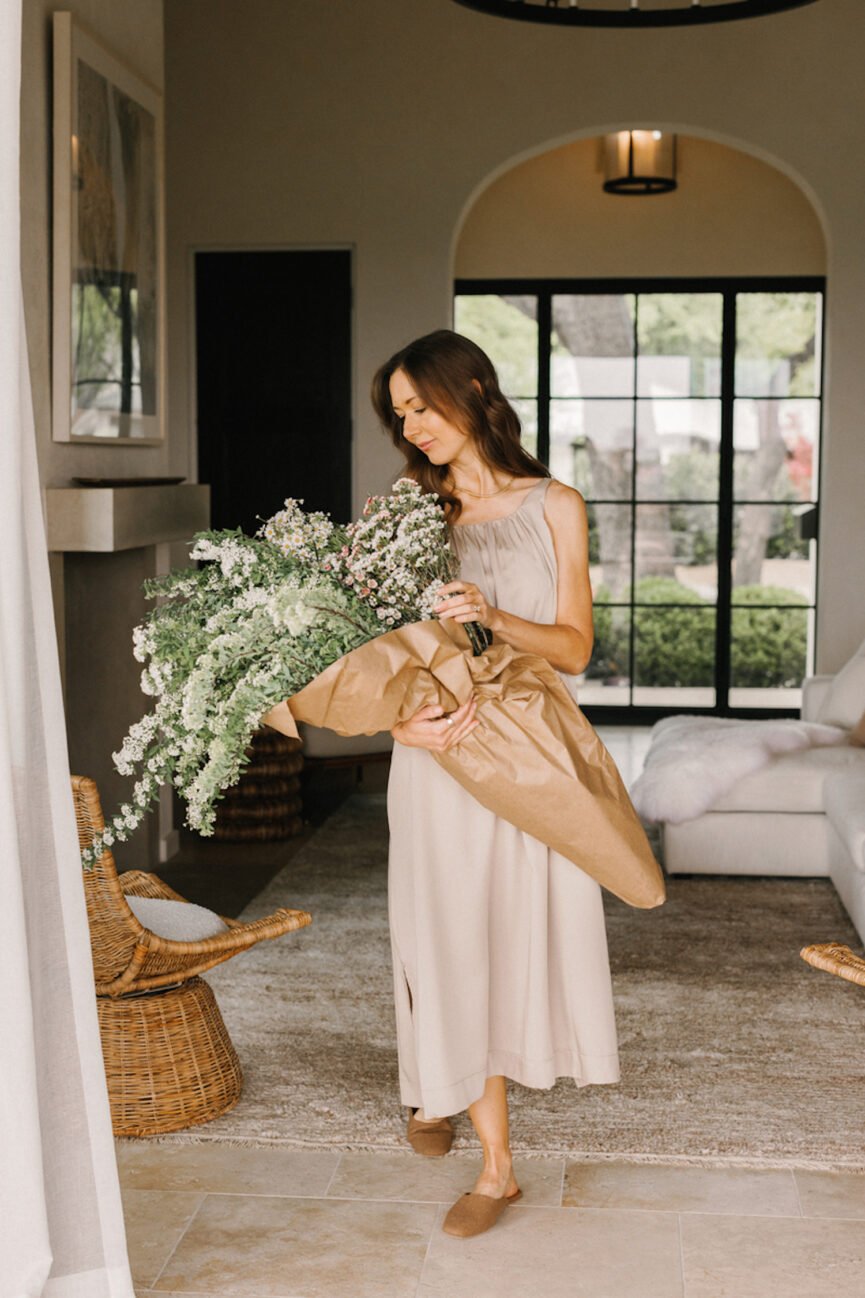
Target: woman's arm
column 567, row 643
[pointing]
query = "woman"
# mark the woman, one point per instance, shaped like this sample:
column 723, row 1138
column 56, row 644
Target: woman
column 499, row 945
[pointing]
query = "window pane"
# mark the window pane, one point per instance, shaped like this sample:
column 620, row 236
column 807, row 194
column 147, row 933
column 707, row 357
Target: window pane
column 679, row 342
column 677, row 450
column 674, row 656
column 778, row 344
column 593, row 346
column 528, row 413
column 507, row 330
column 609, row 551
column 769, row 650
column 676, row 552
column 607, row 678
column 775, row 449
column 771, row 564
column 591, row 446
column 695, row 533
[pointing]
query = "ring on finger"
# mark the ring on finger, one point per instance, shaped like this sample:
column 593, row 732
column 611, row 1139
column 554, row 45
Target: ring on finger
column 449, row 720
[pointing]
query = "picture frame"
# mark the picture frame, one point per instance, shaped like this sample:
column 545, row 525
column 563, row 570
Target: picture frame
column 108, row 332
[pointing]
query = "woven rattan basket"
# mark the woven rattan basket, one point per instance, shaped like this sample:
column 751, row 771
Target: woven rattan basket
column 169, row 1061
column 265, row 804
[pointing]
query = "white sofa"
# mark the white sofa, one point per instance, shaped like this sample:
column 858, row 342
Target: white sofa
column 802, row 814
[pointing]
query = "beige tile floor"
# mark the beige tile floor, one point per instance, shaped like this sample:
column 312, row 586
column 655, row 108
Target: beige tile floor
column 228, row 1221
column 211, row 1220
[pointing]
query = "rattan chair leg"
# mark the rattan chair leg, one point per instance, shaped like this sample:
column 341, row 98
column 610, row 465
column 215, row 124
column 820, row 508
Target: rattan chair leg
column 169, row 1060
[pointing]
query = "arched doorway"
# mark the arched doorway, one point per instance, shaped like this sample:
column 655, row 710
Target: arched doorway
column 665, row 356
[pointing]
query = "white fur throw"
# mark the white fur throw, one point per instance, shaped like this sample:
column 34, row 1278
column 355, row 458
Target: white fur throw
column 694, row 761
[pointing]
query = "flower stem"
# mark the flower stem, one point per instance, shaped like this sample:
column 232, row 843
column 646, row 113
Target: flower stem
column 479, row 636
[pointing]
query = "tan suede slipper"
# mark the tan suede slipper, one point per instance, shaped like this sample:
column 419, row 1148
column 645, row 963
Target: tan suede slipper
column 472, row 1214
column 431, row 1138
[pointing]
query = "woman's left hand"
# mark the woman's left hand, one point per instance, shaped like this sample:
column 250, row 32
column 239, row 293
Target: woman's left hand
column 464, row 602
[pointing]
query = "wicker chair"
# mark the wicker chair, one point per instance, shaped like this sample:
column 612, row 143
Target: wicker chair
column 169, row 1060
column 836, row 959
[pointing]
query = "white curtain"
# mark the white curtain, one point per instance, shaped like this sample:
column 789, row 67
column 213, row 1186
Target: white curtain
column 61, row 1227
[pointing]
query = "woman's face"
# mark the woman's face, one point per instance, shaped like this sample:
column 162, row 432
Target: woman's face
column 440, row 440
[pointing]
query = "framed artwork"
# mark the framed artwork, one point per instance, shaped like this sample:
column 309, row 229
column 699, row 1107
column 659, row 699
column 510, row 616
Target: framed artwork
column 108, row 265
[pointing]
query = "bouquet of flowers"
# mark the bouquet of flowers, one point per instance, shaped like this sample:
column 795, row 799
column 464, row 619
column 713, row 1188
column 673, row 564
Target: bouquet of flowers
column 334, row 626
column 255, row 623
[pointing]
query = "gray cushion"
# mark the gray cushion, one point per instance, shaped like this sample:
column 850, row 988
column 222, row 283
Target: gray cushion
column 845, row 698
column 845, row 807
column 179, row 921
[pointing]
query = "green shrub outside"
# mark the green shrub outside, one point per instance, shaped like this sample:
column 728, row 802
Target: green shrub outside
column 672, row 646
column 676, row 646
column 769, row 645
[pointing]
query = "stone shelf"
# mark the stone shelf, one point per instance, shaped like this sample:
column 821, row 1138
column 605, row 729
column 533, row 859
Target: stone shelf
column 107, row 519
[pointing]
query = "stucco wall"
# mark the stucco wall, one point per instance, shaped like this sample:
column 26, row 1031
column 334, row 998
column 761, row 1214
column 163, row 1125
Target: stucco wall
column 730, row 215
column 378, row 125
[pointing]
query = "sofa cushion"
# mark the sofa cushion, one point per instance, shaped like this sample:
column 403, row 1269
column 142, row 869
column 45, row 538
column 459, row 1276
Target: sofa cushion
column 792, row 781
column 857, row 734
column 844, row 702
column 179, row 921
column 845, row 806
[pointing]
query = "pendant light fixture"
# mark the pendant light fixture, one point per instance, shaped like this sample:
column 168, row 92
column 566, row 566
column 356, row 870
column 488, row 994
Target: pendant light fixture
column 631, row 13
column 640, row 162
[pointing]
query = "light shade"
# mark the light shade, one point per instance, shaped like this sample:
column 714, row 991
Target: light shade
column 640, row 162
column 631, row 13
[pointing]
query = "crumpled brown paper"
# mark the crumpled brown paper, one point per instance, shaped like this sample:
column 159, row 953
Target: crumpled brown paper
column 534, row 759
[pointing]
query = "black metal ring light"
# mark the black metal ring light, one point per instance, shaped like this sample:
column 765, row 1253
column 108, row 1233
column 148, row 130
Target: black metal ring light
column 632, row 14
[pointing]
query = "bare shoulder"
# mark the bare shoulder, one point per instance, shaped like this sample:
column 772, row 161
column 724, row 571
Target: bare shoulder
column 564, row 504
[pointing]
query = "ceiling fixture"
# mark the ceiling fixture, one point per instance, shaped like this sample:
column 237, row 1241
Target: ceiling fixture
column 631, row 13
column 639, row 162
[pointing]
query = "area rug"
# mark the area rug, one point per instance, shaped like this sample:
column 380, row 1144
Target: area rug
column 733, row 1051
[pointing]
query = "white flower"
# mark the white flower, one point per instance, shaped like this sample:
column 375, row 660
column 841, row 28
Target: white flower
column 290, row 608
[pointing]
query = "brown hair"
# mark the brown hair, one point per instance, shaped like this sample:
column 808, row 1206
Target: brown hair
column 441, row 365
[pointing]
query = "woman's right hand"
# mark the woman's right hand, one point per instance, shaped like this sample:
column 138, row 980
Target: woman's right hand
column 429, row 727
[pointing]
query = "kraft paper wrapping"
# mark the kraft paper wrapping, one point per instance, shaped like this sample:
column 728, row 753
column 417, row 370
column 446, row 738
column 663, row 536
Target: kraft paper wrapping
column 534, row 759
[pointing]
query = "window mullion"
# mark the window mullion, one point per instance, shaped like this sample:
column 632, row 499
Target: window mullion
column 632, row 629
column 725, row 506
column 545, row 353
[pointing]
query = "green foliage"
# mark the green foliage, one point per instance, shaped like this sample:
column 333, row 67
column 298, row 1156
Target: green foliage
column 610, row 652
column 778, row 326
column 676, row 646
column 672, row 646
column 594, row 534
column 769, row 645
column 785, row 542
column 507, row 335
column 683, row 324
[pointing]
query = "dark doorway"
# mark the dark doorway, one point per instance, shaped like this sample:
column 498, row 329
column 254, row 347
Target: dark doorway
column 273, row 332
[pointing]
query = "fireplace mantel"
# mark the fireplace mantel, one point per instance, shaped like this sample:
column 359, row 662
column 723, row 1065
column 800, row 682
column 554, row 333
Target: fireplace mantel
column 107, row 519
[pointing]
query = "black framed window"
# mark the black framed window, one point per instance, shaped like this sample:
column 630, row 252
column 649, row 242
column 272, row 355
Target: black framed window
column 688, row 414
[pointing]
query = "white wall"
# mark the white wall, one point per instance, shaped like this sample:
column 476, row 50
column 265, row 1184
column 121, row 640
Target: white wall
column 379, row 124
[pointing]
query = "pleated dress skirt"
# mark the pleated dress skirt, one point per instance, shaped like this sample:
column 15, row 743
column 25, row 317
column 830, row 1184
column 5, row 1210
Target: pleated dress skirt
column 499, row 949
column 499, row 944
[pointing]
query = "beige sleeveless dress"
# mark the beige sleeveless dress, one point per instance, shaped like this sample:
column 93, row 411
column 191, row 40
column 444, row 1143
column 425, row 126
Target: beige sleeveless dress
column 499, row 944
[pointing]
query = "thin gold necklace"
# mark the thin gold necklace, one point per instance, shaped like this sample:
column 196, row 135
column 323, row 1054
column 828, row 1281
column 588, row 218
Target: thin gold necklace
column 481, row 495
